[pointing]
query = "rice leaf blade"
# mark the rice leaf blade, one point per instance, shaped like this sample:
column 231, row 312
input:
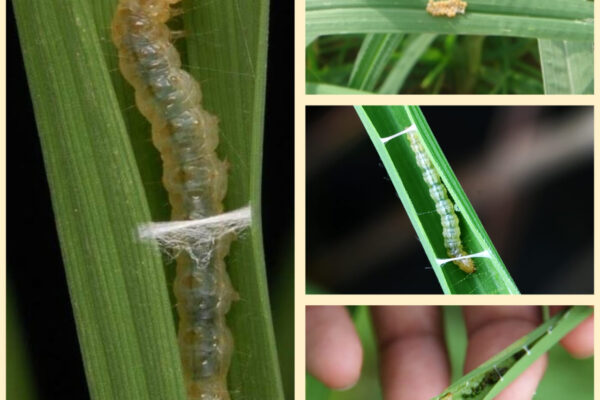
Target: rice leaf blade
column 491, row 276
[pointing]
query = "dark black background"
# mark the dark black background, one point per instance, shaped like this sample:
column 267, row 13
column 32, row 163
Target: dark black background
column 36, row 280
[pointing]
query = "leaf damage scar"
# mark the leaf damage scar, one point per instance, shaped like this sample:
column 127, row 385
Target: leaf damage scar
column 446, row 8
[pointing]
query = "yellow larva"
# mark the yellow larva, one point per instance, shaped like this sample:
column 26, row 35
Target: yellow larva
column 447, row 8
column 196, row 180
column 443, row 205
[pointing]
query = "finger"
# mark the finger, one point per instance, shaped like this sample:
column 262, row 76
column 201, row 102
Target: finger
column 333, row 350
column 580, row 341
column 413, row 355
column 490, row 330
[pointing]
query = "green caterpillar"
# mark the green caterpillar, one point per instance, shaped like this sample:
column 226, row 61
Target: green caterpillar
column 443, row 205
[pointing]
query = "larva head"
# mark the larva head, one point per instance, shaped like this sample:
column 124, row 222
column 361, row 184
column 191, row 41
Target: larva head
column 466, row 265
column 157, row 10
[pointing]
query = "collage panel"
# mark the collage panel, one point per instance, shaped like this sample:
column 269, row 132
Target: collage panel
column 449, row 47
column 449, row 199
column 150, row 184
column 449, row 352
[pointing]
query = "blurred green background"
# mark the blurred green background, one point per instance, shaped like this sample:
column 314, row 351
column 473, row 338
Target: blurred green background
column 451, row 64
column 565, row 378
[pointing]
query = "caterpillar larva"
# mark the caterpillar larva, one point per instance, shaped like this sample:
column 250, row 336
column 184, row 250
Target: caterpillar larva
column 448, row 8
column 443, row 205
column 196, row 179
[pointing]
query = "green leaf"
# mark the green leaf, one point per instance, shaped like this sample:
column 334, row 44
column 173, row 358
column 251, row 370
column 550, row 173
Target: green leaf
column 491, row 276
column 146, row 155
column 84, row 113
column 456, row 339
column 372, row 59
column 418, row 44
column 324, row 88
column 117, row 284
column 567, row 66
column 228, row 55
column 490, row 378
column 576, row 382
column 542, row 19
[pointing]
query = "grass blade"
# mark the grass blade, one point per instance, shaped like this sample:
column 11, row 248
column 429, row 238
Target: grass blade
column 146, row 156
column 545, row 19
column 491, row 276
column 231, row 64
column 324, row 88
column 117, row 284
column 563, row 28
column 418, row 43
column 373, row 57
column 577, row 382
column 484, row 382
column 567, row 66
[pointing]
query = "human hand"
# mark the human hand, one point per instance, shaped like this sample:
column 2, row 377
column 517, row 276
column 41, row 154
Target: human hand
column 413, row 357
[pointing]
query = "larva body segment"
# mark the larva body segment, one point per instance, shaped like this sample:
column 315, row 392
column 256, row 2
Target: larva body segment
column 446, row 8
column 196, row 180
column 443, row 205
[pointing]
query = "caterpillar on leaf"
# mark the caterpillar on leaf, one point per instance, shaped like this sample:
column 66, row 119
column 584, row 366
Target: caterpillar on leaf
column 196, row 180
column 443, row 205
